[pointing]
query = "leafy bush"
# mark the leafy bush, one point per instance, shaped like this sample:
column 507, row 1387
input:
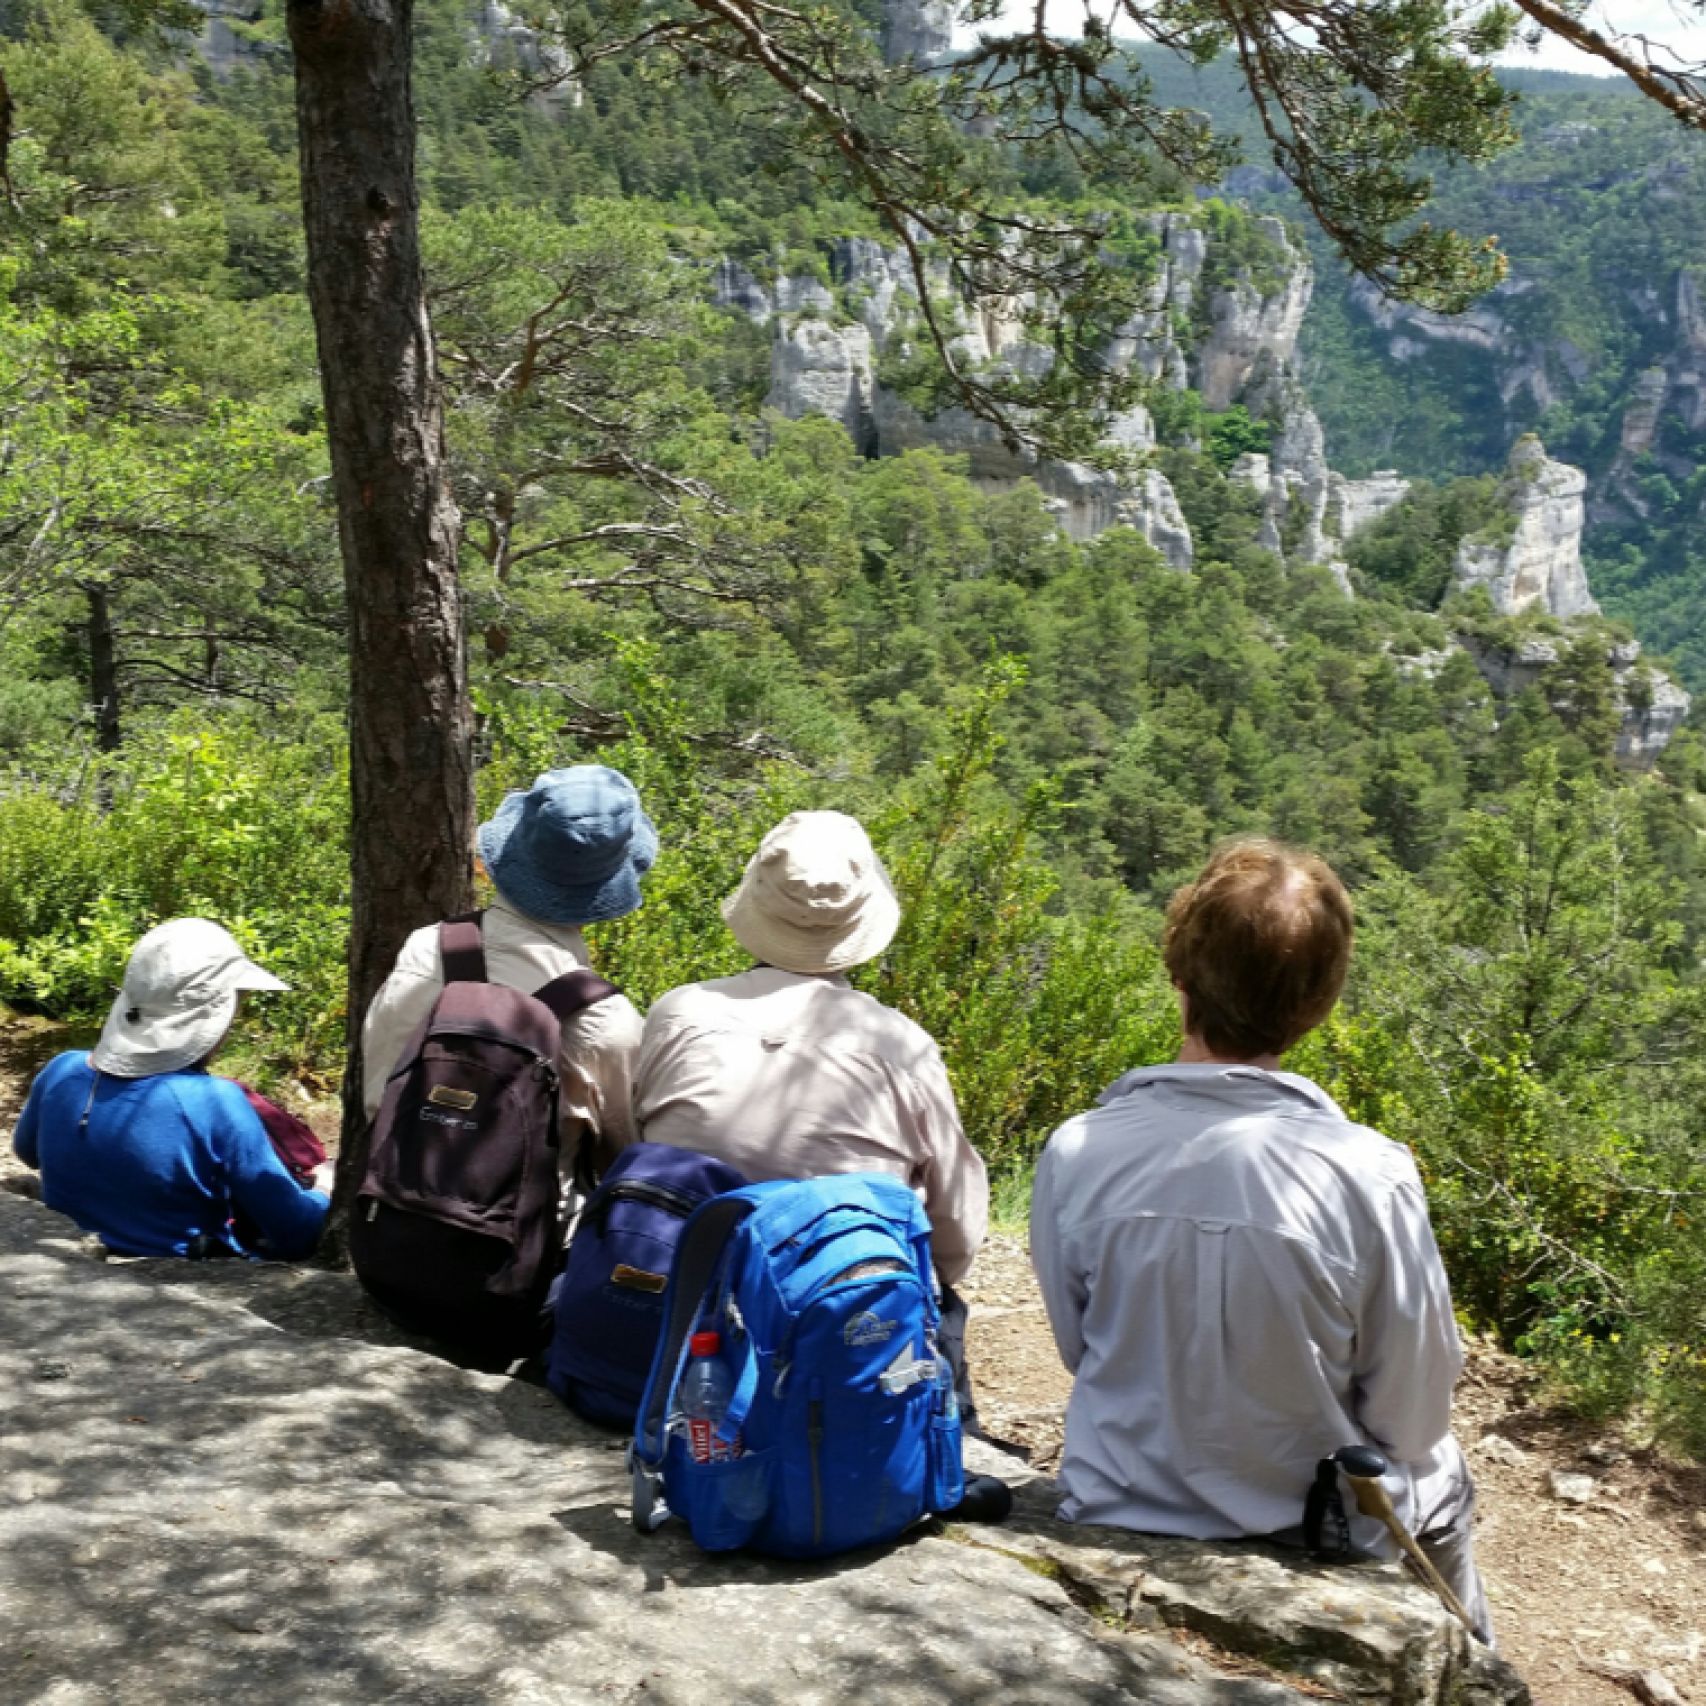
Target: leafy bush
column 1034, row 1012
column 1234, row 434
column 1521, row 1028
column 224, row 820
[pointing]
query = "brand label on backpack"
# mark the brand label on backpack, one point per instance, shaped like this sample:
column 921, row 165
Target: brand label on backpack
column 446, row 1097
column 867, row 1329
column 436, row 1118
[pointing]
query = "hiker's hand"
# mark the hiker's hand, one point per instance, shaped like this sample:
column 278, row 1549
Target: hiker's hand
column 323, row 1176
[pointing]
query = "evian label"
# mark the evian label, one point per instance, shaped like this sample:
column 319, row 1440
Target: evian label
column 703, row 1443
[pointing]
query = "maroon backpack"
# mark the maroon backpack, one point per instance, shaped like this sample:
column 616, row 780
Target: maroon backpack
column 293, row 1141
column 457, row 1231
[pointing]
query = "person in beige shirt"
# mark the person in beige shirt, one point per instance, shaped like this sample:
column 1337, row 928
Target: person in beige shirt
column 787, row 1071
column 569, row 851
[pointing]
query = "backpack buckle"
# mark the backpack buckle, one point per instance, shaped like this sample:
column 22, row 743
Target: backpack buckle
column 901, row 1377
column 649, row 1511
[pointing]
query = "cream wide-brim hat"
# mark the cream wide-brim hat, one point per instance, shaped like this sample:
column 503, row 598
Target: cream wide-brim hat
column 179, row 998
column 815, row 898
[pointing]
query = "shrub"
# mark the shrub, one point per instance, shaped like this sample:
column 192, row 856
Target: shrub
column 221, row 819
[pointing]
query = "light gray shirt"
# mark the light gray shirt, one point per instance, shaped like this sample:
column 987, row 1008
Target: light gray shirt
column 791, row 1077
column 1242, row 1281
column 595, row 1061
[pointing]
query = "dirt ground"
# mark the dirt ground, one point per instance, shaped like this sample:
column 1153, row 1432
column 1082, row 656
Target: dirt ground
column 1584, row 1595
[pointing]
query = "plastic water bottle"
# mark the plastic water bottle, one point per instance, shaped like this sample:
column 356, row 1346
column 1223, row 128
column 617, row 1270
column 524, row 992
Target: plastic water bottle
column 706, row 1389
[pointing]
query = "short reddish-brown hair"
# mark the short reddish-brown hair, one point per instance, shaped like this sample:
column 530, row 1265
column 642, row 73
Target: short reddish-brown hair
column 1260, row 944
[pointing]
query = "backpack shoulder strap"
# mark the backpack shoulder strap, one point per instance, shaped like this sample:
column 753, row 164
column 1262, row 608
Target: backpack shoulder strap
column 574, row 992
column 462, row 949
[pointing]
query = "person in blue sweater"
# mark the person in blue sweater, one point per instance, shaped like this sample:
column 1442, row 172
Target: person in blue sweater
column 140, row 1144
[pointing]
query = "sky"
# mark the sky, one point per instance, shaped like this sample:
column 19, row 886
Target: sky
column 1676, row 23
column 1680, row 27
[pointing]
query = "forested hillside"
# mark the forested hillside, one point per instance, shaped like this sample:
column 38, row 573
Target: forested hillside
column 1596, row 340
column 1048, row 714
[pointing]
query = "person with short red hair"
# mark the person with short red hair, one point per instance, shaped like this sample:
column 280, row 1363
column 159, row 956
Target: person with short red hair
column 1243, row 1280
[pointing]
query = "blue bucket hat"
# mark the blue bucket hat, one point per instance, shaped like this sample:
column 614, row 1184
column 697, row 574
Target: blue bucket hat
column 572, row 849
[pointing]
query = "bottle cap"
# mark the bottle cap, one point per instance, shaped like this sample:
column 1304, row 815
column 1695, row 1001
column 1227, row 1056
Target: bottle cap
column 704, row 1344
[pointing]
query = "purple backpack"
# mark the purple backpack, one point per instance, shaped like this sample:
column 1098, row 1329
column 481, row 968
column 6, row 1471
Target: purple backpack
column 457, row 1230
column 608, row 1308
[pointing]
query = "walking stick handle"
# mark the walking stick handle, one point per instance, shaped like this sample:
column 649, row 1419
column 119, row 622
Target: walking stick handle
column 1373, row 1500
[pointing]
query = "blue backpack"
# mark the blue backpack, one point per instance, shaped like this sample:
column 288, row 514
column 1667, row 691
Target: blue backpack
column 607, row 1308
column 822, row 1294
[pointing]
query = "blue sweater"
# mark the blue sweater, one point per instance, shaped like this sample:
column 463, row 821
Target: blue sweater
column 160, row 1162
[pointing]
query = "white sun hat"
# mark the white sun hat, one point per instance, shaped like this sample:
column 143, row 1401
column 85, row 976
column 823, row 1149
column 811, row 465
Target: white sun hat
column 178, row 999
column 815, row 897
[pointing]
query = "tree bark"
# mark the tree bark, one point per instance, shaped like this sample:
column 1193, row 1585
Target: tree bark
column 103, row 670
column 411, row 727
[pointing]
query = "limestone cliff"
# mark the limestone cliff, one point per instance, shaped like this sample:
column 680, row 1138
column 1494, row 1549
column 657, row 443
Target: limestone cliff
column 1228, row 336
column 1536, row 370
column 920, row 30
column 504, row 41
column 1298, row 480
column 1535, row 568
column 497, row 35
column 222, row 41
column 1522, row 365
column 1540, row 565
column 1250, row 328
column 1676, row 387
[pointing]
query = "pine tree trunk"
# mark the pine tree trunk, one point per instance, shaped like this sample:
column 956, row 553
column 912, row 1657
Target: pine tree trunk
column 103, row 670
column 411, row 728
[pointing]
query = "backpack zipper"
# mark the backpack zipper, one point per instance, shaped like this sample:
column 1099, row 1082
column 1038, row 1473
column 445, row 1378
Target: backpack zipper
column 484, row 1033
column 646, row 1191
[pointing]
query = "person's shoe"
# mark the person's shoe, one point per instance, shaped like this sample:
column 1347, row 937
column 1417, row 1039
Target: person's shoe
column 985, row 1500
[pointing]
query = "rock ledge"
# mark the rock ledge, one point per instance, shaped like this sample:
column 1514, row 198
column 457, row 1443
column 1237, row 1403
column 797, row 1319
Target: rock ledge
column 231, row 1482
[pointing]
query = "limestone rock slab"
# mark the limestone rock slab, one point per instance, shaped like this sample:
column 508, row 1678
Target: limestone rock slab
column 220, row 1487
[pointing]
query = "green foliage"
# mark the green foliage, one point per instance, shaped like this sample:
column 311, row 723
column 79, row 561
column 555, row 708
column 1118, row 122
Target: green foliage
column 1240, row 251
column 1413, row 547
column 221, row 820
column 105, row 195
column 1234, row 434
column 1034, row 1012
column 1521, row 1025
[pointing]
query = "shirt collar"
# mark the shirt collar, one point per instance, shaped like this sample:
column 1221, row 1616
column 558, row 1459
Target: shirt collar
column 1224, row 1081
column 566, row 936
column 780, row 977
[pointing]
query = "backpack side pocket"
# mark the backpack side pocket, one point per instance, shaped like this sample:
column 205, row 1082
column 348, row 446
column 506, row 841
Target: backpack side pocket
column 723, row 1503
column 945, row 1477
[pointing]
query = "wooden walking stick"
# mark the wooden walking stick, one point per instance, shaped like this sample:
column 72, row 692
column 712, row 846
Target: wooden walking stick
column 1363, row 1466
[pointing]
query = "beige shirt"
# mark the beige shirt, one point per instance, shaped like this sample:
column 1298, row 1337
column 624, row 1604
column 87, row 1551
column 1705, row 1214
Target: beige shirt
column 790, row 1077
column 597, row 1056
